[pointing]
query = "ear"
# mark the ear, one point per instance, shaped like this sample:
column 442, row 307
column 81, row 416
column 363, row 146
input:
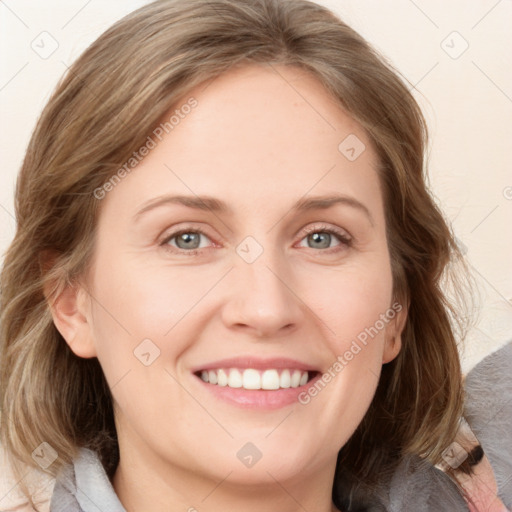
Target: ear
column 71, row 315
column 394, row 329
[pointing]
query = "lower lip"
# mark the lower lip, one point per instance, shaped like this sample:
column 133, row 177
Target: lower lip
column 258, row 398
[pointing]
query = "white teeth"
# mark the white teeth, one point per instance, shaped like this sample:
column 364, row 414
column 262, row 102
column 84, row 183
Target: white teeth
column 256, row 379
column 252, row 379
column 235, row 379
column 212, row 377
column 285, row 379
column 222, row 378
column 270, row 379
column 295, row 380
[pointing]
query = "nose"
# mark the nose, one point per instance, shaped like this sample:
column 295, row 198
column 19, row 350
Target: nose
column 263, row 303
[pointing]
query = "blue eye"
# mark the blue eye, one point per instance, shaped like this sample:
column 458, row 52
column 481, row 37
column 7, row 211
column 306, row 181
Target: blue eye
column 187, row 240
column 322, row 237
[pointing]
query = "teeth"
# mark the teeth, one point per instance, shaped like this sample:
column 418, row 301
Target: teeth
column 222, row 378
column 256, row 379
column 295, row 380
column 285, row 380
column 251, row 379
column 235, row 379
column 270, row 379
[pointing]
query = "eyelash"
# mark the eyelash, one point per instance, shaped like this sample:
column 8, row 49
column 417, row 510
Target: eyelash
column 345, row 241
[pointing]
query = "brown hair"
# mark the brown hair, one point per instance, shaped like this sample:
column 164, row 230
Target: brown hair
column 129, row 77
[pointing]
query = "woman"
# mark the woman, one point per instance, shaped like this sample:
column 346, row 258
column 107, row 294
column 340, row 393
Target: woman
column 224, row 287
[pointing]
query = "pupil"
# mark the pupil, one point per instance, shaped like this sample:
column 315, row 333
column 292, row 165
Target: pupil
column 319, row 237
column 187, row 238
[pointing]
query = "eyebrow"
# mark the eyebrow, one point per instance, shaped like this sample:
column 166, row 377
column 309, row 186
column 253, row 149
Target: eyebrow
column 209, row 203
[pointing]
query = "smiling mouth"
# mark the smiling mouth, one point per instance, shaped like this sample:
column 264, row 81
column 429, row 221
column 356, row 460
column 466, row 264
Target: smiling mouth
column 252, row 379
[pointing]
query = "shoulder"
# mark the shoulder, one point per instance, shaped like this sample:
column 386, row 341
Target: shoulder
column 417, row 484
column 85, row 487
column 488, row 410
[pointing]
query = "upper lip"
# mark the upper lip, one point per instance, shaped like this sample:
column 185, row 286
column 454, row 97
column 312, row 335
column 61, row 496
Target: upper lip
column 257, row 363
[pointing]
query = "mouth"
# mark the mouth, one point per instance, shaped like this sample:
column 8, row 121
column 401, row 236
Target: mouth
column 256, row 383
column 257, row 379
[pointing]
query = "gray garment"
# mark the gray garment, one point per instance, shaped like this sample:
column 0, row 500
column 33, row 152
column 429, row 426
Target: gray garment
column 415, row 486
column 85, row 487
column 489, row 412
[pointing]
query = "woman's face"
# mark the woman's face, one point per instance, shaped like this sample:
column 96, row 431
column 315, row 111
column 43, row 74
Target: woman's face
column 281, row 273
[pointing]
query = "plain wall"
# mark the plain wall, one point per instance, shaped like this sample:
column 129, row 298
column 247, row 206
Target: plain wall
column 456, row 56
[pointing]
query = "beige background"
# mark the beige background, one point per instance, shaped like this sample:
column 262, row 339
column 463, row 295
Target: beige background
column 456, row 55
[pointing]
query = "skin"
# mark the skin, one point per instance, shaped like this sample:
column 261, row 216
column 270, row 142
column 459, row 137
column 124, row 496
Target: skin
column 261, row 138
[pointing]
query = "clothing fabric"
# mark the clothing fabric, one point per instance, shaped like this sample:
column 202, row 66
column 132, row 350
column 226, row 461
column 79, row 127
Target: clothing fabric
column 415, row 486
column 85, row 487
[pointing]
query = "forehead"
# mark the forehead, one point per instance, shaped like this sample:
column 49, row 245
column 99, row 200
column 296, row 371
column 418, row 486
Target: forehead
column 255, row 132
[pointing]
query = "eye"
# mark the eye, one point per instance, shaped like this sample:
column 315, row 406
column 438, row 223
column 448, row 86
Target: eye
column 322, row 237
column 187, row 240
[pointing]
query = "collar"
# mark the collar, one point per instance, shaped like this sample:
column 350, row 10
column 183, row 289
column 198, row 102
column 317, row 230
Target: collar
column 85, row 487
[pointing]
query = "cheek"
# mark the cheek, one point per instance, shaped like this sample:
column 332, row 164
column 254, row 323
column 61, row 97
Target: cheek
column 351, row 302
column 355, row 308
column 148, row 300
column 136, row 302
